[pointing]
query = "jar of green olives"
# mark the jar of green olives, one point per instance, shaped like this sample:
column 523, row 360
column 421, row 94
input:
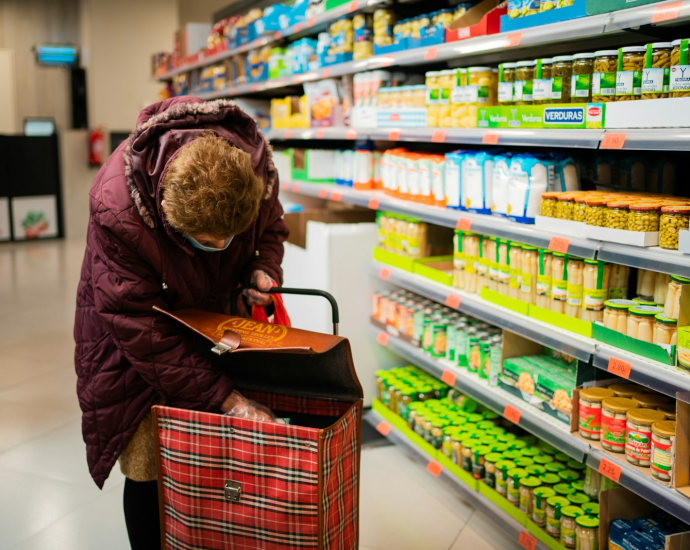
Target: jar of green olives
column 581, row 79
column 672, row 220
column 617, row 213
column 548, row 204
column 644, row 216
column 561, row 75
column 564, row 206
column 631, row 62
column 580, row 209
column 596, row 212
column 604, row 76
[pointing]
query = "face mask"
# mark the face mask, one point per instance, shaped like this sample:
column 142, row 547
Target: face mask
column 195, row 244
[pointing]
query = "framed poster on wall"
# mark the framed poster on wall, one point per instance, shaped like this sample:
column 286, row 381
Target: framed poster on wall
column 34, row 217
column 5, row 234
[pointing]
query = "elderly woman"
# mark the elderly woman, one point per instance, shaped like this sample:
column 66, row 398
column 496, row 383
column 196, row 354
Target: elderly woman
column 181, row 214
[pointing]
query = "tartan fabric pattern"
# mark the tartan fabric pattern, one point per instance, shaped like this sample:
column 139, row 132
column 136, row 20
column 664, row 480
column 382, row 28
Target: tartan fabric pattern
column 306, row 405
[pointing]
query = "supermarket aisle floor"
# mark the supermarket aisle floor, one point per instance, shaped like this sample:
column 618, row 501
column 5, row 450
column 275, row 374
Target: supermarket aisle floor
column 48, row 500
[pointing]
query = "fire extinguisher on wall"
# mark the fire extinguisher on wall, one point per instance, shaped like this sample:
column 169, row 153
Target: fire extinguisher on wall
column 96, row 146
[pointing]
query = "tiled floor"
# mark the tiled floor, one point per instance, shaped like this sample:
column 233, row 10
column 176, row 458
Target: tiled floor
column 47, row 499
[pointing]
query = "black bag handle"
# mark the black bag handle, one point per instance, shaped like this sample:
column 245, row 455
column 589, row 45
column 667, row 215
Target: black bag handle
column 282, row 290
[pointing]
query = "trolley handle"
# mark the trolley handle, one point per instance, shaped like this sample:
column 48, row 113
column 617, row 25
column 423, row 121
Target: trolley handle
column 299, row 291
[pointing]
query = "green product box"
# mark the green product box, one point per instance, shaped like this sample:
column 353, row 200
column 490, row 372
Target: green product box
column 518, row 306
column 654, row 352
column 392, row 259
column 436, row 268
column 595, row 7
column 559, row 115
column 683, row 348
column 561, row 320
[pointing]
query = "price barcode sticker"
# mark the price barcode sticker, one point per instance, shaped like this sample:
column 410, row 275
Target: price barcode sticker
column 512, row 414
column 619, row 367
column 669, row 12
column 384, row 428
column 464, row 224
column 431, row 53
column 448, row 377
column 288, row 134
column 295, row 188
column 434, row 468
column 513, row 39
column 613, row 141
column 559, row 244
column 336, row 196
column 323, row 193
column 527, row 541
column 373, row 204
column 385, row 273
column 394, row 135
column 490, row 138
column 439, row 136
column 609, row 469
column 382, row 338
column 320, row 134
column 453, row 300
column 351, row 134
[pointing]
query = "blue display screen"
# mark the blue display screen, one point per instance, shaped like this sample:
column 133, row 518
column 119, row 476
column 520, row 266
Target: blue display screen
column 57, row 55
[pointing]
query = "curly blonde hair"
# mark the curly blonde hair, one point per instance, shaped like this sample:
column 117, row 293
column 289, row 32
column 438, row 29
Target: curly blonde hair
column 210, row 187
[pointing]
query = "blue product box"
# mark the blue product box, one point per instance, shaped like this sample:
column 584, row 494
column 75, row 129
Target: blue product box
column 431, row 36
column 575, row 11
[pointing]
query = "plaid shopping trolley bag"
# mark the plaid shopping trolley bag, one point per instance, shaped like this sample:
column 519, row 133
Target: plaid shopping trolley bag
column 231, row 483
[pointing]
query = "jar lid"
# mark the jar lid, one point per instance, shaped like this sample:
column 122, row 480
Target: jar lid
column 633, row 49
column 664, row 428
column 517, row 472
column 588, row 522
column 549, row 478
column 530, row 481
column 665, row 319
column 524, row 461
column 518, row 445
column 578, row 485
column 625, row 390
column 493, row 457
column 557, row 501
column 646, row 417
column 596, row 394
column 645, row 311
column 558, row 254
column 661, row 44
column 563, row 489
column 668, row 410
column 525, row 64
column 578, row 498
column 645, row 206
column 644, row 302
column 619, row 404
column 651, row 400
column 529, row 247
column 554, row 467
column 543, row 459
column 565, row 197
column 572, row 511
column 675, row 209
column 545, row 492
column 591, row 508
column 619, row 303
column 620, row 204
column 681, row 280
column 505, row 465
column 530, row 451
column 602, row 53
column 583, row 56
column 561, row 58
column 508, row 65
column 595, row 201
column 575, row 465
column 507, row 437
column 568, row 475
column 479, row 69
column 562, row 457
column 544, row 61
column 676, row 42
column 535, row 470
column 551, row 195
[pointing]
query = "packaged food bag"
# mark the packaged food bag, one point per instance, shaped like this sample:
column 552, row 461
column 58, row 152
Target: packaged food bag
column 565, row 175
column 453, row 179
column 530, row 176
column 477, row 181
column 500, row 183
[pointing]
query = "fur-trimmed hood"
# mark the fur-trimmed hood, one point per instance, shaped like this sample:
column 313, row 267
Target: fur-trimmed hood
column 165, row 127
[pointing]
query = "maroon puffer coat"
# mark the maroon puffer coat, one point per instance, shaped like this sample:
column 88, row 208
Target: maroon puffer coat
column 126, row 354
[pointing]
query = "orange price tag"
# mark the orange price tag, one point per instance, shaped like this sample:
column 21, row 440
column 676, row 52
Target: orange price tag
column 439, row 136
column 336, row 196
column 619, row 367
column 434, row 468
column 320, row 134
column 448, row 377
column 295, row 188
column 277, row 35
column 255, row 87
column 394, row 135
column 298, row 27
column 323, row 193
column 295, row 79
column 385, row 273
column 513, row 39
column 286, row 186
column 311, row 22
column 431, row 53
column 609, row 469
column 464, row 224
column 384, row 428
column 351, row 134
column 512, row 414
column 453, row 300
column 288, row 134
column 353, row 6
column 382, row 338
column 669, row 12
column 373, row 204
column 613, row 141
column 559, row 244
column 527, row 541
column 326, row 73
column 490, row 138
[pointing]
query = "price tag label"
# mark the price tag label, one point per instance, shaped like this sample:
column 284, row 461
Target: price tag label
column 464, row 224
column 286, row 186
column 527, row 541
column 512, row 414
column 311, row 22
column 394, row 135
column 609, row 469
column 323, row 193
column 669, row 12
column 255, row 87
column 384, row 428
column 448, row 377
column 613, row 141
column 453, row 300
column 385, row 273
column 326, row 73
column 439, row 136
column 288, row 134
column 277, row 35
column 382, row 338
column 619, row 367
column 295, row 188
column 434, row 468
column 298, row 27
column 490, row 138
column 513, row 39
column 431, row 53
column 462, row 33
column 351, row 134
column 336, row 196
column 295, row 79
column 320, row 134
column 353, row 6
column 373, row 204
column 559, row 244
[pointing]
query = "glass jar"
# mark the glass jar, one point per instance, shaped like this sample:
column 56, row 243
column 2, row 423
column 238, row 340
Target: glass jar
column 539, row 497
column 513, row 481
column 490, row 461
column 581, row 80
column 629, row 76
column 587, row 533
column 613, row 422
column 651, row 400
column 569, row 514
column 470, row 246
column 638, row 435
column 673, row 219
column 503, row 266
column 544, row 279
column 541, row 90
column 524, row 80
column 644, row 216
column 596, row 212
column 515, row 256
column 529, row 268
column 595, row 290
column 617, row 214
column 433, row 88
column 661, row 464
column 564, row 206
column 548, row 204
column 616, row 314
column 551, row 479
column 573, row 307
column 604, row 76
column 672, row 303
column 657, row 70
column 669, row 411
column 578, row 498
column 554, row 505
column 618, row 283
column 446, row 84
column 468, row 445
column 561, row 76
column 527, row 486
column 502, row 469
column 641, row 322
column 568, row 476
column 580, row 209
column 678, row 85
column 589, row 423
column 646, row 282
column 661, row 282
column 591, row 508
column 506, row 83
column 665, row 330
column 559, row 282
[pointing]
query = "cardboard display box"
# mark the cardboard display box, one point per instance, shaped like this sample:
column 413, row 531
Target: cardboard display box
column 297, row 221
column 315, row 165
column 513, row 304
column 622, row 236
column 482, row 18
column 561, row 320
column 654, row 352
column 604, row 6
column 566, row 227
column 683, row 348
column 574, row 11
column 671, row 112
column 437, row 268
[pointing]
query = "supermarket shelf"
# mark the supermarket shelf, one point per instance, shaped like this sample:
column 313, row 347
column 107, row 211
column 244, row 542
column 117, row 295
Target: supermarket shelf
column 531, row 419
column 666, row 379
column 479, row 502
column 645, row 15
column 317, row 133
column 486, row 225
column 647, row 487
column 471, row 304
column 654, row 258
column 655, row 139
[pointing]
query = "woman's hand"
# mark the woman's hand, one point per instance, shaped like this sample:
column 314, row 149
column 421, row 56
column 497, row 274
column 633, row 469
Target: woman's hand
column 262, row 282
column 239, row 406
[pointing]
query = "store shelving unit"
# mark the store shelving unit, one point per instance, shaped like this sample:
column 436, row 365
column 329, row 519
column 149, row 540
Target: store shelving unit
column 475, row 499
